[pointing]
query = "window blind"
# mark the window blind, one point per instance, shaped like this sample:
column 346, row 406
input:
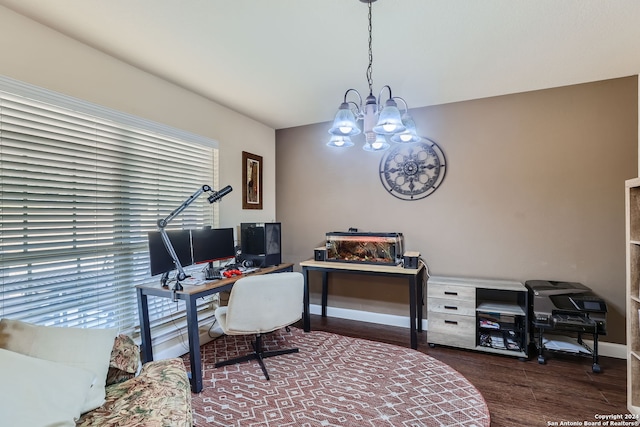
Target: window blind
column 80, row 187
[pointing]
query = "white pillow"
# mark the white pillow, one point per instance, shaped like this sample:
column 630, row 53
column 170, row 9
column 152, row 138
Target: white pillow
column 38, row 393
column 89, row 349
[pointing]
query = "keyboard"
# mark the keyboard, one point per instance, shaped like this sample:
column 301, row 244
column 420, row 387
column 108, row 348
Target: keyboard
column 213, row 274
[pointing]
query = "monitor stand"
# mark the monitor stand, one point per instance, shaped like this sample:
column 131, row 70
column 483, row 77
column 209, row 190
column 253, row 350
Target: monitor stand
column 165, row 278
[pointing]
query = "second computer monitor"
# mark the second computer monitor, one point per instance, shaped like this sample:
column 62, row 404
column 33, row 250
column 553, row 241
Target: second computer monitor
column 212, row 244
column 159, row 259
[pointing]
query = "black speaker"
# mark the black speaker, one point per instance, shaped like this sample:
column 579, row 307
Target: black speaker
column 261, row 243
column 320, row 254
column 411, row 259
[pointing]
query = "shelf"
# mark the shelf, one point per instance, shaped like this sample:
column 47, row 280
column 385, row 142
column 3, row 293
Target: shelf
column 632, row 234
column 633, row 388
column 503, row 327
column 565, row 344
column 502, row 308
column 512, row 343
column 501, row 351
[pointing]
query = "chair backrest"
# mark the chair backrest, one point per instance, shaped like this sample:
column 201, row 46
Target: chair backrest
column 264, row 303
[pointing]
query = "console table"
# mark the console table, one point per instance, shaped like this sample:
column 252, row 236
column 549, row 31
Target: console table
column 411, row 274
column 190, row 294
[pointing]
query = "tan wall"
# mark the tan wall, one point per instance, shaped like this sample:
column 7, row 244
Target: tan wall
column 35, row 54
column 534, row 190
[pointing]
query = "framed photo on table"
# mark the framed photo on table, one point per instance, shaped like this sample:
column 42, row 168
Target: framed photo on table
column 251, row 181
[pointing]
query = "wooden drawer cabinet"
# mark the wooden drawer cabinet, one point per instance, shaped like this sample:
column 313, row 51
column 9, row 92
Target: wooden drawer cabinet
column 458, row 309
column 451, row 292
column 451, row 314
column 451, row 306
column 452, row 329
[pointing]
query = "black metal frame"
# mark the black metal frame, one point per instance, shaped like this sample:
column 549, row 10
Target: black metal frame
column 258, row 354
column 193, row 333
column 595, row 367
column 413, row 276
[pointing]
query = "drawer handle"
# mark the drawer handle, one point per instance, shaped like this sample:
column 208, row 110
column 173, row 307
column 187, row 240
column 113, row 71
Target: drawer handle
column 450, row 307
column 450, row 293
column 451, row 322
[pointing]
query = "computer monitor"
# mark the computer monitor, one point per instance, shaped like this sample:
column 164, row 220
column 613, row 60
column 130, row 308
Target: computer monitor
column 261, row 243
column 159, row 259
column 212, row 244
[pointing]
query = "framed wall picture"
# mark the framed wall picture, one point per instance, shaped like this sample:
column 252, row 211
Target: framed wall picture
column 251, row 181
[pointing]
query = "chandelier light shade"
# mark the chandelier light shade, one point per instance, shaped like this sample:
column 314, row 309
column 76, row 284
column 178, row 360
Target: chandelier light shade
column 379, row 144
column 340, row 141
column 389, row 121
column 409, row 135
column 345, row 122
column 378, row 121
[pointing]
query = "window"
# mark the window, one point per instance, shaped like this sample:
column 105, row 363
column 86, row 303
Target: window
column 80, row 187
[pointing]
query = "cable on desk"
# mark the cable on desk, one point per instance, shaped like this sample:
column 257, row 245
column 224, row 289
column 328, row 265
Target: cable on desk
column 425, row 278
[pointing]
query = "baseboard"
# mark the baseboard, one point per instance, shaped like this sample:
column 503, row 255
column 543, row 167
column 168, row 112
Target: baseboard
column 365, row 316
column 608, row 349
column 179, row 345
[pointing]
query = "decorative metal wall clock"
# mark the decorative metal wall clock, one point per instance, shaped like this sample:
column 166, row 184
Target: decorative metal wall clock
column 413, row 171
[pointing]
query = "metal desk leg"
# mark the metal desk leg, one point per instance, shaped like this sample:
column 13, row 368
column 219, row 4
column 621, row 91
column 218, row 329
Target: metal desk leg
column 325, row 292
column 420, row 303
column 541, row 359
column 596, row 364
column 145, row 330
column 306, row 319
column 194, row 345
column 412, row 312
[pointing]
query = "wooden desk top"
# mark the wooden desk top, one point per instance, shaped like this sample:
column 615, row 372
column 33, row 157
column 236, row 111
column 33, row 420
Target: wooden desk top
column 361, row 267
column 216, row 283
column 508, row 285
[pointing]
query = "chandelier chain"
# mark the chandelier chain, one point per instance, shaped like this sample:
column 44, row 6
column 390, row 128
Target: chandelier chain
column 381, row 120
column 370, row 67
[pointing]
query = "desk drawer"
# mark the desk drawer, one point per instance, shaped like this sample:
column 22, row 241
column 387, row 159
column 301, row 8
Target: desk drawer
column 451, row 306
column 452, row 292
column 451, row 329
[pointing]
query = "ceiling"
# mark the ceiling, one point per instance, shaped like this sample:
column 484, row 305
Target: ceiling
column 288, row 63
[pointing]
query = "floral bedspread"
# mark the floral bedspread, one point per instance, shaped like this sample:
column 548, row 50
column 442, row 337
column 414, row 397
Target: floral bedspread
column 159, row 396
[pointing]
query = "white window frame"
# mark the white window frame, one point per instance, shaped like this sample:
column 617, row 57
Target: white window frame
column 38, row 284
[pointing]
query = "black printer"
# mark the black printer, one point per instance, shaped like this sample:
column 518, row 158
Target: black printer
column 562, row 307
column 567, row 305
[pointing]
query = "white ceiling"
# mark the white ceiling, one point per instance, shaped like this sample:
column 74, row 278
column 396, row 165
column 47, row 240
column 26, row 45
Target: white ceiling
column 288, row 62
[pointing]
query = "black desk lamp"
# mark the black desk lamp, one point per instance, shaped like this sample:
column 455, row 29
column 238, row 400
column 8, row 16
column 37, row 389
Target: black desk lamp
column 214, row 196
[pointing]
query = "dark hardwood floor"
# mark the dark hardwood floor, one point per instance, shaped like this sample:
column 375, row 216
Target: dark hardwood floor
column 518, row 393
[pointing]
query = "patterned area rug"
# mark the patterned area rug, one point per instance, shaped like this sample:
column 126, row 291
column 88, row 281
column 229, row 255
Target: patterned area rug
column 333, row 381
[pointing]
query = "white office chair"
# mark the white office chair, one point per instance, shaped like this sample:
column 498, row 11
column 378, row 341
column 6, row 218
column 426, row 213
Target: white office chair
column 261, row 304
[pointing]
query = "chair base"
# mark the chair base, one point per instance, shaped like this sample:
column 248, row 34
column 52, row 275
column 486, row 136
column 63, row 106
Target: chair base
column 258, row 354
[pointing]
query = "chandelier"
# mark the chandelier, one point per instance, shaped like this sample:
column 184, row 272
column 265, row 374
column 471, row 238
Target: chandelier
column 378, row 122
